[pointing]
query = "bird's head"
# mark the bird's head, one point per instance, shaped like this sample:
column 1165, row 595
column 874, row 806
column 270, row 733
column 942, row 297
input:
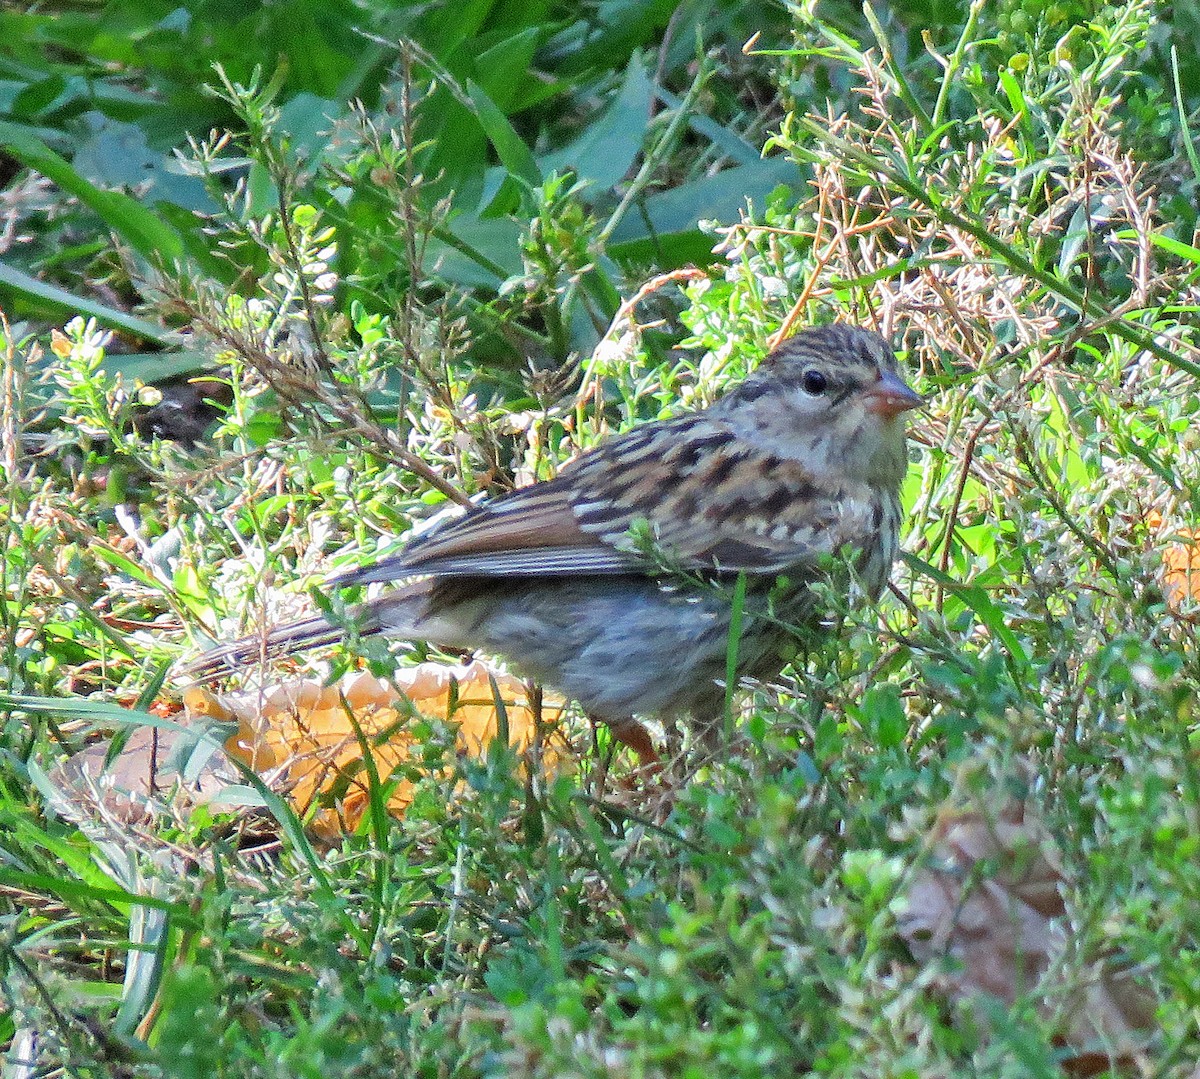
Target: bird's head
column 830, row 396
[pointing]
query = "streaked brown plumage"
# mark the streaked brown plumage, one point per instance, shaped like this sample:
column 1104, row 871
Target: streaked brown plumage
column 802, row 460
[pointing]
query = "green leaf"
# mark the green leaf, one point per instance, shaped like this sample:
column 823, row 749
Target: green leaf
column 728, row 141
column 41, row 292
column 504, row 68
column 141, row 228
column 118, row 155
column 718, row 197
column 883, row 715
column 509, row 146
column 157, row 366
column 1166, row 243
column 986, row 610
column 608, row 147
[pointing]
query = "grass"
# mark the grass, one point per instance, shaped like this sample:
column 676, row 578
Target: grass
column 398, row 328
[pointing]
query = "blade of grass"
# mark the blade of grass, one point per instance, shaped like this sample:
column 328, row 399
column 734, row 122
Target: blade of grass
column 57, row 298
column 377, row 806
column 1189, row 146
column 731, row 650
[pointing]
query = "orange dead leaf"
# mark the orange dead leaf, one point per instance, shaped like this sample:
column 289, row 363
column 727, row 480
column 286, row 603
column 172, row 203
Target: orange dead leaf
column 60, row 344
column 304, row 732
column 1181, row 560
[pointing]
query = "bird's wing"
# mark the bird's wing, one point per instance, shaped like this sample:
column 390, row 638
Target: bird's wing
column 531, row 532
column 708, row 500
column 713, row 500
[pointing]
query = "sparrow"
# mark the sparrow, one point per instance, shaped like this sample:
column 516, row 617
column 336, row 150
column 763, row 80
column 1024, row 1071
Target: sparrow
column 612, row 582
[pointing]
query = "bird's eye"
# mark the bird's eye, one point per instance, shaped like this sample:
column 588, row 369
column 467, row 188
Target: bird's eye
column 813, row 382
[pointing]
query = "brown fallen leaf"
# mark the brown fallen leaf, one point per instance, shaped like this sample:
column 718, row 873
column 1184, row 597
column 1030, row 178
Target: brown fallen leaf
column 143, row 780
column 990, row 900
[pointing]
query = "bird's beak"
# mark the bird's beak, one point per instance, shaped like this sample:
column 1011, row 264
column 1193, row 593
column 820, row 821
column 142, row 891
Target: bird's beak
column 891, row 395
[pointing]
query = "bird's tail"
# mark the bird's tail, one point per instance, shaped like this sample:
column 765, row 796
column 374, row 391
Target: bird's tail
column 398, row 614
